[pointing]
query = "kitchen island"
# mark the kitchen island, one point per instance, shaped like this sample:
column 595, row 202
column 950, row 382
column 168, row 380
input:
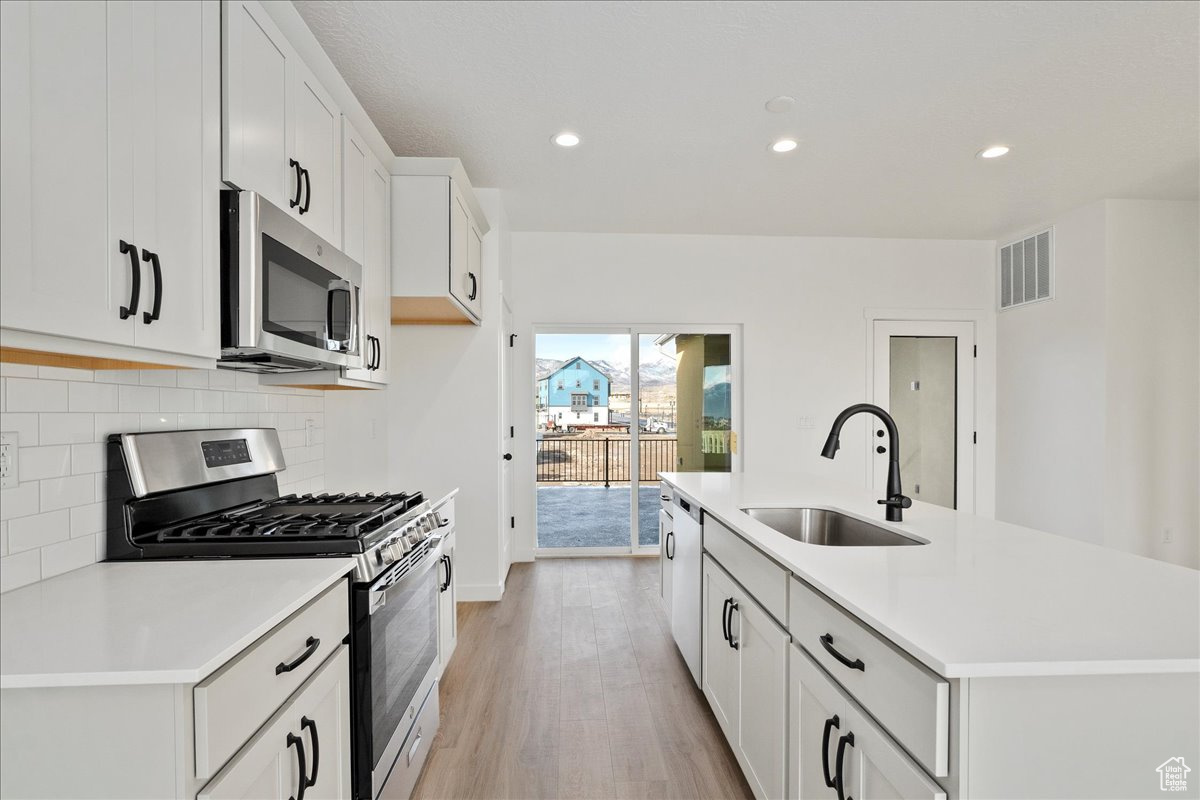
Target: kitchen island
column 989, row 661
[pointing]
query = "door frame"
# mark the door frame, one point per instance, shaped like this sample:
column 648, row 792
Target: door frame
column 633, row 331
column 982, row 414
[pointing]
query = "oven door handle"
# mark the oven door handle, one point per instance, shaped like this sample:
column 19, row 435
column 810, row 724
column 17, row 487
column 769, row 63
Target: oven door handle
column 377, row 598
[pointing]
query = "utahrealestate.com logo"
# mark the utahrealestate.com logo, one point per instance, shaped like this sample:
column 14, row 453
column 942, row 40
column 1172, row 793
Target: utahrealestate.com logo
column 1172, row 775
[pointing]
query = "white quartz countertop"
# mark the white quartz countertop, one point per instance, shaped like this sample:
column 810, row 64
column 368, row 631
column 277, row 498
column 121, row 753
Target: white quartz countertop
column 147, row 622
column 983, row 598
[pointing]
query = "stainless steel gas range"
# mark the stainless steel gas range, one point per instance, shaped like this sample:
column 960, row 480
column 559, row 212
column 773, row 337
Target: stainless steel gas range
column 215, row 494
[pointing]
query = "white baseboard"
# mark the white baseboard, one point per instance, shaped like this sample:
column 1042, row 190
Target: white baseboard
column 479, row 592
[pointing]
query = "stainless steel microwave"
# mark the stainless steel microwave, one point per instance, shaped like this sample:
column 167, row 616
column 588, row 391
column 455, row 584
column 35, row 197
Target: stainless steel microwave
column 290, row 301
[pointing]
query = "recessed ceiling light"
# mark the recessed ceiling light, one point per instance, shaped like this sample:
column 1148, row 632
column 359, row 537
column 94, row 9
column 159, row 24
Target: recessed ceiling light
column 784, row 145
column 995, row 151
column 565, row 139
column 780, row 104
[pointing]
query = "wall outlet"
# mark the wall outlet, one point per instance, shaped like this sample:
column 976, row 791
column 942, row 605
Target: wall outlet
column 1166, row 535
column 309, row 429
column 805, row 422
column 8, row 460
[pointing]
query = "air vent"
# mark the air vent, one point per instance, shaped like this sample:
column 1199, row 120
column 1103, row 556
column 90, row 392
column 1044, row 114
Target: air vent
column 1025, row 270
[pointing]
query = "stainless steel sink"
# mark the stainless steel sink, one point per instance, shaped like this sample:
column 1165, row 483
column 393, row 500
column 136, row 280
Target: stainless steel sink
column 829, row 528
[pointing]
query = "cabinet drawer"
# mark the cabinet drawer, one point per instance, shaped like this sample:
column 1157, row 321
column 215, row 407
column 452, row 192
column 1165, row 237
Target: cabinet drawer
column 665, row 495
column 761, row 576
column 909, row 700
column 233, row 702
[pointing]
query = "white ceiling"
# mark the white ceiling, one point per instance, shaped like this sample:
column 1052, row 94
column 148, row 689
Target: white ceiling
column 894, row 99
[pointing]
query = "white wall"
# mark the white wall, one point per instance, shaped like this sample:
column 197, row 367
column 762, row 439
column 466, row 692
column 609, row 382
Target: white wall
column 1098, row 406
column 53, row 521
column 800, row 301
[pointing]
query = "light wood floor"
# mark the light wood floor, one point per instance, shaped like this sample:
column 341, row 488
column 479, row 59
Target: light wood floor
column 571, row 687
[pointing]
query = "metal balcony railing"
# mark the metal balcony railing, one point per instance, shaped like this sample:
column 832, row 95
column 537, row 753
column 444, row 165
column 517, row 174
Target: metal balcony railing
column 606, row 461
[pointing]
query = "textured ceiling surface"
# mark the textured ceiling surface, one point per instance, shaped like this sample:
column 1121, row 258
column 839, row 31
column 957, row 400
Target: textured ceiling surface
column 1097, row 99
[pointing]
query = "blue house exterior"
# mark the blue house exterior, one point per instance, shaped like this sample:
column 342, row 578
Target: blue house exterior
column 574, row 395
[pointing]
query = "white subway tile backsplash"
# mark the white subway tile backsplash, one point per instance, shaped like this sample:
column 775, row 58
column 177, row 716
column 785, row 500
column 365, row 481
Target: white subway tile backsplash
column 87, row 458
column 157, row 377
column 138, row 398
column 30, row 394
column 76, row 490
column 20, row 569
column 56, row 516
column 37, row 463
column 19, row 501
column 39, row 530
column 65, row 374
column 66, row 556
column 66, row 428
column 91, row 397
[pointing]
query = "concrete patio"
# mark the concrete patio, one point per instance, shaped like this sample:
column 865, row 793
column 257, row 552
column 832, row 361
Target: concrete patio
column 593, row 516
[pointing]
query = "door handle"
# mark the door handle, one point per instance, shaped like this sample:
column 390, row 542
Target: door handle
column 733, row 606
column 305, row 722
column 135, row 271
column 307, row 190
column 827, row 643
column 474, row 286
column 839, row 779
column 508, row 456
column 830, row 724
column 311, row 646
column 670, row 545
column 150, row 316
column 295, row 201
column 293, row 739
column 378, row 352
column 725, row 618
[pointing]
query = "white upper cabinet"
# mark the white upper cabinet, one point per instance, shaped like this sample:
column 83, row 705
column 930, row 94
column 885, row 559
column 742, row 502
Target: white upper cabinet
column 281, row 133
column 116, row 244
column 437, row 244
column 366, row 229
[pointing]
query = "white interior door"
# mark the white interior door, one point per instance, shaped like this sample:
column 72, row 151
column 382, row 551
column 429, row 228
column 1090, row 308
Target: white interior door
column 924, row 376
column 507, row 440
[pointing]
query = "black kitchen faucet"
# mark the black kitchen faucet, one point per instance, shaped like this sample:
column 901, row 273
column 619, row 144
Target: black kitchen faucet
column 895, row 500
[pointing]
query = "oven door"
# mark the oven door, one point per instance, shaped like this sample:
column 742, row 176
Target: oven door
column 395, row 653
column 297, row 294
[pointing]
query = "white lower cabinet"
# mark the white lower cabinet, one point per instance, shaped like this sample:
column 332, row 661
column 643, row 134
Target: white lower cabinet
column 832, row 741
column 304, row 747
column 745, row 663
column 666, row 559
column 447, row 604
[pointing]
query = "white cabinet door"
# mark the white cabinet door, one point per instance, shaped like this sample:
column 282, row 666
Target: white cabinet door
column 306, row 740
column 875, row 768
column 475, row 270
column 176, row 169
column 816, row 721
column 666, row 540
column 719, row 670
column 354, row 192
column 318, row 137
column 257, row 133
column 762, row 649
column 460, row 235
column 447, row 605
column 377, row 262
column 61, row 218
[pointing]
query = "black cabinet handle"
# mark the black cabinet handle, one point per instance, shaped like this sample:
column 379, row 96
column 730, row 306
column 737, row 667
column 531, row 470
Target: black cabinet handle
column 295, row 201
column 307, row 190
column 312, row 644
column 293, row 739
column 670, row 545
column 449, row 562
column 150, row 316
column 378, row 352
column 135, row 271
column 305, row 722
column 830, row 724
column 840, row 779
column 733, row 606
column 474, row 286
column 725, row 618
column 827, row 643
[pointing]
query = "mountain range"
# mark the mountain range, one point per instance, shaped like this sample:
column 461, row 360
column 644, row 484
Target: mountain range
column 655, row 373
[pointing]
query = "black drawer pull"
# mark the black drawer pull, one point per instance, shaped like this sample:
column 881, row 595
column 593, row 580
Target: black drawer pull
column 725, row 618
column 293, row 739
column 670, row 545
column 733, row 606
column 830, row 724
column 305, row 722
column 295, row 201
column 150, row 316
column 135, row 272
column 840, row 779
column 827, row 643
column 312, row 644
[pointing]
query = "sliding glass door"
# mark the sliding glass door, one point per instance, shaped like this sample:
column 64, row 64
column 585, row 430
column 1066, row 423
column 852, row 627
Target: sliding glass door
column 605, row 430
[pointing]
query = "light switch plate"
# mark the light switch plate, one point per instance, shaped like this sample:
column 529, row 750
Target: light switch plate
column 8, row 460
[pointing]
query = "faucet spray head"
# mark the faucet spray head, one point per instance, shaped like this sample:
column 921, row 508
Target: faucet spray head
column 831, row 445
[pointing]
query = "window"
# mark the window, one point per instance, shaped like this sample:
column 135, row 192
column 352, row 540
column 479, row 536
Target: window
column 576, row 365
column 595, row 384
column 579, row 402
column 578, row 383
column 560, row 384
column 596, row 416
column 560, row 415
